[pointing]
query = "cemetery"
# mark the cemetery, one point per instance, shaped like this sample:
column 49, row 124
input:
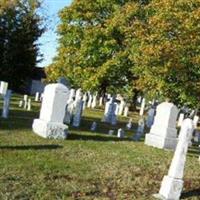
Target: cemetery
column 116, row 113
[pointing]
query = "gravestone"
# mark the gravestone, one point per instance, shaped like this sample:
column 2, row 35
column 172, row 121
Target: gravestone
column 84, row 101
column 6, row 103
column 129, row 124
column 94, row 100
column 150, row 117
column 110, row 132
column 64, row 81
column 78, row 108
column 195, row 121
column 20, row 103
column 50, row 123
column 100, row 101
column 140, row 129
column 120, row 133
column 121, row 107
column 37, row 96
column 94, row 126
column 29, row 105
column 25, row 101
column 3, row 87
column 163, row 133
column 89, row 101
column 172, row 184
column 110, row 112
column 126, row 110
column 180, row 119
column 142, row 108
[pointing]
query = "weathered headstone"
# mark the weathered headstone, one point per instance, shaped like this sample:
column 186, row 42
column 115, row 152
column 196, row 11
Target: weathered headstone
column 6, row 103
column 163, row 133
column 172, row 184
column 50, row 123
column 3, row 87
column 37, row 96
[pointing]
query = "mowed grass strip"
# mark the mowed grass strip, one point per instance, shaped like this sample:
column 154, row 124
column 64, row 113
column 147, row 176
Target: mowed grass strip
column 88, row 165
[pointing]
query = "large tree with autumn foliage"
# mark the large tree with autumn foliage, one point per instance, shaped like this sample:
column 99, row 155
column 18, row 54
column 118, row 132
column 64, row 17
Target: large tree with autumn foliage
column 166, row 53
column 132, row 45
column 94, row 45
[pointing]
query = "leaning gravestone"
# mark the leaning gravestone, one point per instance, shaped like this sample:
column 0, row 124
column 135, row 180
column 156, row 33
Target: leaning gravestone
column 6, row 103
column 50, row 123
column 172, row 184
column 163, row 133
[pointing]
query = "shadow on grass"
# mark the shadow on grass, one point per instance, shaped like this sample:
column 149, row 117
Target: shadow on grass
column 101, row 138
column 31, row 147
column 192, row 193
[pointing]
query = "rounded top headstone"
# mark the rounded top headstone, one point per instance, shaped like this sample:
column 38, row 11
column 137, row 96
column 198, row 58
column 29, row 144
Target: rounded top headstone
column 56, row 87
column 64, row 81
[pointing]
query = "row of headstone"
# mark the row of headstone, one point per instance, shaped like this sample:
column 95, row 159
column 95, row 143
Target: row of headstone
column 25, row 103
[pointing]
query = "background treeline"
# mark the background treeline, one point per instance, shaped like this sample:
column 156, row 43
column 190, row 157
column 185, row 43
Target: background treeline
column 131, row 46
column 20, row 28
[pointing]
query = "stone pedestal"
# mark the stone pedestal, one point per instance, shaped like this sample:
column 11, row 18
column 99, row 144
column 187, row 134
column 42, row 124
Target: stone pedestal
column 163, row 133
column 50, row 129
column 50, row 123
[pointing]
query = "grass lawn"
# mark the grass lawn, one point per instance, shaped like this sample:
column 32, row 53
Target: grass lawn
column 87, row 165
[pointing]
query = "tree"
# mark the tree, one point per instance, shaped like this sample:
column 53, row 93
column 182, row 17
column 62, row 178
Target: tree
column 20, row 27
column 166, row 53
column 93, row 46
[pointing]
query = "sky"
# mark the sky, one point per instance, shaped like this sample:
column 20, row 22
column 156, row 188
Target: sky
column 48, row 41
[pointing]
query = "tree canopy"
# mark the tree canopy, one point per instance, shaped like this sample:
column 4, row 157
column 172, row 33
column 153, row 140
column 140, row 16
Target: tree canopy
column 20, row 27
column 131, row 45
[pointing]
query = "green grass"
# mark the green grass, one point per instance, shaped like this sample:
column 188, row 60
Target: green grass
column 87, row 165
